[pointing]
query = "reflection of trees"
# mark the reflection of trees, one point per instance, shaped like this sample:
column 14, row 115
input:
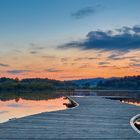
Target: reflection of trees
column 5, row 96
column 17, row 99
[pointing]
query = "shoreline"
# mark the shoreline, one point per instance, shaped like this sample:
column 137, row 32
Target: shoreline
column 70, row 105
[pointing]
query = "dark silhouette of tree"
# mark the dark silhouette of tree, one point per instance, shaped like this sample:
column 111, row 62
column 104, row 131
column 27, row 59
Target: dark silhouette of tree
column 125, row 83
column 34, row 84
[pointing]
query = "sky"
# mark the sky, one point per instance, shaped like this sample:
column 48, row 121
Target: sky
column 69, row 39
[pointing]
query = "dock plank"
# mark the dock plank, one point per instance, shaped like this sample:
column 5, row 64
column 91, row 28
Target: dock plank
column 95, row 117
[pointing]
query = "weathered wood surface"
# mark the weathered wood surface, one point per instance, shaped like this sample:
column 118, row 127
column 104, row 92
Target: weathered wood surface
column 95, row 118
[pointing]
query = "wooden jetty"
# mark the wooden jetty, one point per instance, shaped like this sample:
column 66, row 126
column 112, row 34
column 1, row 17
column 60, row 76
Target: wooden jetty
column 95, row 117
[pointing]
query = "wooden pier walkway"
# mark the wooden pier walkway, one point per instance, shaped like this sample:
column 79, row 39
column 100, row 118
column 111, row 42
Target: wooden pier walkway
column 95, row 117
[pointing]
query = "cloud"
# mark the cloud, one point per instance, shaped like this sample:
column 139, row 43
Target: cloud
column 64, row 59
column 135, row 60
column 84, row 66
column 49, row 57
column 52, row 57
column 103, row 63
column 119, row 57
column 17, row 71
column 4, row 65
column 71, row 76
column 85, row 58
column 136, row 28
column 53, row 70
column 87, row 11
column 114, row 57
column 84, row 12
column 136, row 65
column 33, row 52
column 113, row 67
column 122, row 40
column 106, row 66
column 17, row 51
column 36, row 46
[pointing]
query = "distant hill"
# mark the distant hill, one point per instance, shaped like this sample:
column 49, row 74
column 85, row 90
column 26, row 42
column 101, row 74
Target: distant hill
column 124, row 83
column 39, row 84
column 113, row 83
column 91, row 82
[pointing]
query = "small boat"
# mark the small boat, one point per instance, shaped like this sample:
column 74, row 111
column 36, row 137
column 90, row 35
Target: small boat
column 135, row 123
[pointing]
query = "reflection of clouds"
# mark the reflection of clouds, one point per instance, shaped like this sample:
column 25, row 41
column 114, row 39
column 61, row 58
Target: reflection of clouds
column 29, row 107
column 2, row 112
column 16, row 105
column 51, row 106
column 4, row 65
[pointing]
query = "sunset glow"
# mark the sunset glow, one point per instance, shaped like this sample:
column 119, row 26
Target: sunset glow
column 21, row 108
column 69, row 40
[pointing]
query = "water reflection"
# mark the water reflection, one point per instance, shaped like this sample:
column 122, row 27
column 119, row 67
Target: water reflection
column 17, row 108
column 16, row 105
column 118, row 93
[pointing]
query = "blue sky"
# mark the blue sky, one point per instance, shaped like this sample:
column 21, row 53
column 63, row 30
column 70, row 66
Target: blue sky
column 35, row 29
column 51, row 19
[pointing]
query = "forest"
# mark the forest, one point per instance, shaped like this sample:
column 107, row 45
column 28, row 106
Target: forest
column 34, row 84
column 124, row 83
column 39, row 84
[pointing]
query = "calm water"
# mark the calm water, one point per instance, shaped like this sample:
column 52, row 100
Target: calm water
column 17, row 108
column 128, row 97
column 129, row 94
column 17, row 105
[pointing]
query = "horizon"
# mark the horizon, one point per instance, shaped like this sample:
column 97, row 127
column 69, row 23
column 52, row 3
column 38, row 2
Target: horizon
column 16, row 78
column 69, row 40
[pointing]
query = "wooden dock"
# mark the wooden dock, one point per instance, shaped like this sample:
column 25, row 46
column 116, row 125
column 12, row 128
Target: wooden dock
column 95, row 117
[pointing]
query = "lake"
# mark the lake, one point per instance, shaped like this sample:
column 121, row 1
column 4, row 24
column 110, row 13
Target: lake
column 17, row 108
column 17, row 105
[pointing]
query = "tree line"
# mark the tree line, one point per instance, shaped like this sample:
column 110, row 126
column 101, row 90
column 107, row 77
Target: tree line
column 34, row 84
column 39, row 84
column 124, row 83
